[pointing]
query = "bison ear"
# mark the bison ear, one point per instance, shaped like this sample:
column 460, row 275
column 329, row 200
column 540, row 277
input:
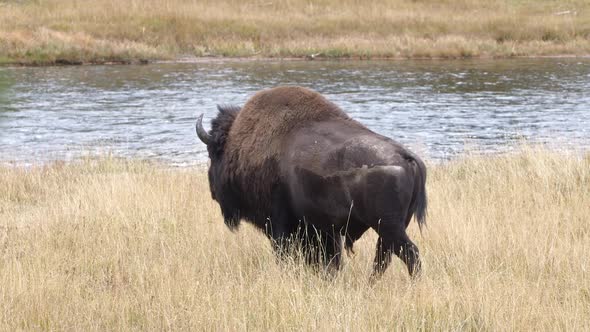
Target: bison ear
column 201, row 132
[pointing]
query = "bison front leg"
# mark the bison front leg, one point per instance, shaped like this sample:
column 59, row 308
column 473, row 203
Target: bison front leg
column 333, row 252
column 320, row 248
column 395, row 241
column 280, row 240
column 282, row 235
column 281, row 226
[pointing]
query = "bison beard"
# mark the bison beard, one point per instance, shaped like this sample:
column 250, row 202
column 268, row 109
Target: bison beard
column 297, row 167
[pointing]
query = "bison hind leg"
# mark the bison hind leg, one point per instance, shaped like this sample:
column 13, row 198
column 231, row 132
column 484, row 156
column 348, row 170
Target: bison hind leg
column 396, row 241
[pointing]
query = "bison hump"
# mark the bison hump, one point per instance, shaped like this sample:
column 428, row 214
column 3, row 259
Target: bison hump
column 265, row 121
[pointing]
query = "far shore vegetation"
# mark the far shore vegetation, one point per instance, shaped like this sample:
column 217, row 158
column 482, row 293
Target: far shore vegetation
column 38, row 32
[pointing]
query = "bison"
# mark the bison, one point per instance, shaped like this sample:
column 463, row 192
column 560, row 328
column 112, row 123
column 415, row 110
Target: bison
column 296, row 166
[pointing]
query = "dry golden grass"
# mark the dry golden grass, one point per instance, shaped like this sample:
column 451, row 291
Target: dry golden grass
column 108, row 30
column 126, row 245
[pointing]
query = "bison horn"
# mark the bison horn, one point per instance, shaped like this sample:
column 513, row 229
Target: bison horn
column 201, row 132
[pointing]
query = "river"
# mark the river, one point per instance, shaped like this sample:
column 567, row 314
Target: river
column 441, row 109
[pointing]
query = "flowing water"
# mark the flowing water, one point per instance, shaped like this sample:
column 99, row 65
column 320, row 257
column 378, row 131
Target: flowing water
column 437, row 108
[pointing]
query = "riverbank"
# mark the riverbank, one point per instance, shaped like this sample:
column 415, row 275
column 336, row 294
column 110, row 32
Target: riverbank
column 108, row 31
column 120, row 245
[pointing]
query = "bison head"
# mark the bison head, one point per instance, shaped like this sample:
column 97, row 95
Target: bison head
column 216, row 140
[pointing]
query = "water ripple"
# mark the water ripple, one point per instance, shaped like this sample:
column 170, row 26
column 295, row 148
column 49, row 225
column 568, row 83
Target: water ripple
column 439, row 108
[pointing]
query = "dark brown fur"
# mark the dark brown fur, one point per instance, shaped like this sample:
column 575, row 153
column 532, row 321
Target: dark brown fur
column 255, row 141
column 295, row 164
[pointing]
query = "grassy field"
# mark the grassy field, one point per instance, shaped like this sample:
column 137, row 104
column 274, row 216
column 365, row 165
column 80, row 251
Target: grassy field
column 74, row 31
column 126, row 245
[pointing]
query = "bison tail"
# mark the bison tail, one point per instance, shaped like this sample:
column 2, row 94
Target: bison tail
column 420, row 199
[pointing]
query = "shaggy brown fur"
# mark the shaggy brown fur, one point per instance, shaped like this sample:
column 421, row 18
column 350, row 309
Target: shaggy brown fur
column 293, row 163
column 254, row 142
column 272, row 114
